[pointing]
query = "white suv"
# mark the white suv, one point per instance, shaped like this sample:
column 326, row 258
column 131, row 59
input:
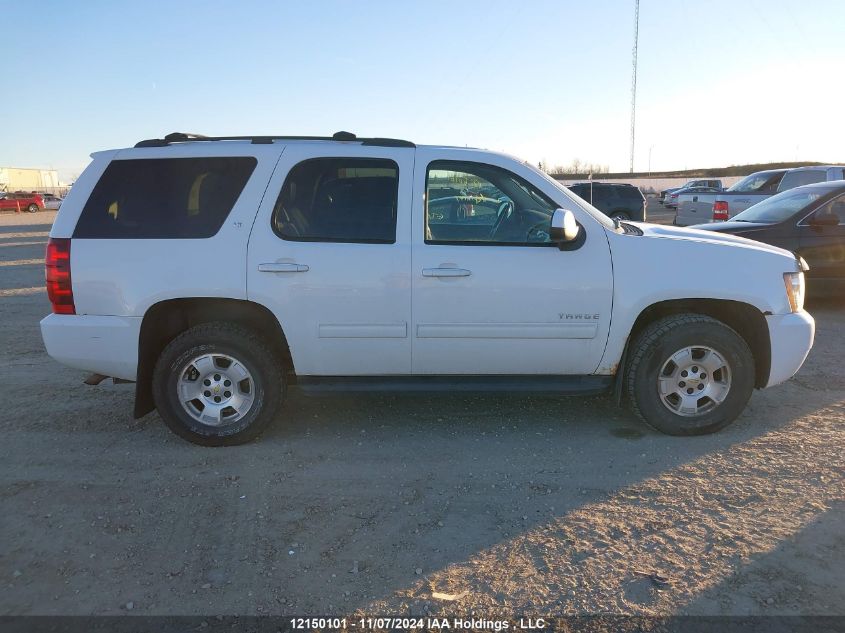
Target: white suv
column 214, row 272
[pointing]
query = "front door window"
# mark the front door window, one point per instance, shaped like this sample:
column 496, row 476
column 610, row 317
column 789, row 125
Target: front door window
column 477, row 204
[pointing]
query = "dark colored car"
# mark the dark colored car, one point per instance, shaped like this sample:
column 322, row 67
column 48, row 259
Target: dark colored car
column 20, row 201
column 620, row 201
column 808, row 220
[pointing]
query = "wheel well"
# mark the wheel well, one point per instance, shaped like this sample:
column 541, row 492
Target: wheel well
column 164, row 321
column 747, row 320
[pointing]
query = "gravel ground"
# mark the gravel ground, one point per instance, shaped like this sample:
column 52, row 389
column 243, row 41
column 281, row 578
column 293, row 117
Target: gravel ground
column 396, row 505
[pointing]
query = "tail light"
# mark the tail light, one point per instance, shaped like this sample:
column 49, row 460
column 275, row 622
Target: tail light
column 720, row 211
column 57, row 269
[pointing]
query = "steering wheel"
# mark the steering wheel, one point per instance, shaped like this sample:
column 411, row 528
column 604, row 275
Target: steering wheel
column 505, row 210
column 538, row 233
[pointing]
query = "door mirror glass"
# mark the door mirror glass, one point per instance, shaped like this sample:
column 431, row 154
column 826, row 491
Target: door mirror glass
column 564, row 228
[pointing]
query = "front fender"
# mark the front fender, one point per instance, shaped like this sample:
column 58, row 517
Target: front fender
column 685, row 265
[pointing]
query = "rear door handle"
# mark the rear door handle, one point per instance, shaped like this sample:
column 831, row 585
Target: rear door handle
column 276, row 267
column 446, row 272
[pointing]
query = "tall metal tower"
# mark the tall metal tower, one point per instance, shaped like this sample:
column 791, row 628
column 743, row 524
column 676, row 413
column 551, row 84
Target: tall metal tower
column 634, row 79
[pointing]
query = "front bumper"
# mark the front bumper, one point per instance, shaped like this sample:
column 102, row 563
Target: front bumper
column 106, row 345
column 791, row 337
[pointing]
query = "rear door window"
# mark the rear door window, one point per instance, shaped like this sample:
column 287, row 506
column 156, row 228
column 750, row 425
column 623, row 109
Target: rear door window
column 339, row 200
column 169, row 198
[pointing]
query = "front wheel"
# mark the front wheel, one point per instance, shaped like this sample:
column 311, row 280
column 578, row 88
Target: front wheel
column 33, row 208
column 689, row 374
column 218, row 384
column 621, row 216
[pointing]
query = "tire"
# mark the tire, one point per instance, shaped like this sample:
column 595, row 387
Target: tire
column 201, row 354
column 33, row 208
column 707, row 340
column 620, row 215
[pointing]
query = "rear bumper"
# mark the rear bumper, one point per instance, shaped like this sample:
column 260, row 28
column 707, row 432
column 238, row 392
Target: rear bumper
column 791, row 337
column 106, row 345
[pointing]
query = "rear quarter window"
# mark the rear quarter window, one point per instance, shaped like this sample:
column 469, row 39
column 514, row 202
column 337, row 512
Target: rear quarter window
column 803, row 177
column 170, row 198
column 630, row 193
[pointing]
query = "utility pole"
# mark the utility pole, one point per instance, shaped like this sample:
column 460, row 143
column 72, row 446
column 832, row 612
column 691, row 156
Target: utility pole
column 634, row 79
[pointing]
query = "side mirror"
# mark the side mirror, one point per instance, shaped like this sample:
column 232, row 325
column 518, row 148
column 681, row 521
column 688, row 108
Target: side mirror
column 564, row 228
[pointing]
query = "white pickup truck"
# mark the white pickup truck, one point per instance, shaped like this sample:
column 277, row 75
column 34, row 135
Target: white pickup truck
column 700, row 208
column 216, row 271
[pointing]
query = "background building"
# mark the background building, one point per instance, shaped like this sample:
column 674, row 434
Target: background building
column 41, row 180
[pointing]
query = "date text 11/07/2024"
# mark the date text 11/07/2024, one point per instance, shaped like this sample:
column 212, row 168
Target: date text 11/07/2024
column 410, row 624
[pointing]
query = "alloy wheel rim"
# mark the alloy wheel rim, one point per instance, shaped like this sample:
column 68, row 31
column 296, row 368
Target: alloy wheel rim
column 694, row 381
column 215, row 389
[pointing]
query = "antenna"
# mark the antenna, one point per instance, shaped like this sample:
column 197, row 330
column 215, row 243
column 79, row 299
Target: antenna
column 634, row 79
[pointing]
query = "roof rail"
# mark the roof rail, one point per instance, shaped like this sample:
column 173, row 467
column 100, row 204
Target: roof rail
column 182, row 137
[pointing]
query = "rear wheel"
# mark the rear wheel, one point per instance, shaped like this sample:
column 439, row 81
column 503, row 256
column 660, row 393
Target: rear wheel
column 689, row 374
column 620, row 215
column 217, row 384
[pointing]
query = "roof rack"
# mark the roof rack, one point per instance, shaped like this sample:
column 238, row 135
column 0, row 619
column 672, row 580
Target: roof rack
column 182, row 137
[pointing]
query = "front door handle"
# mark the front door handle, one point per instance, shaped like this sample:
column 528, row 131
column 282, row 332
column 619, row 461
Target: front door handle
column 276, row 267
column 446, row 272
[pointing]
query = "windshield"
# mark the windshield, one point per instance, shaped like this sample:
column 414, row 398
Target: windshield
column 760, row 181
column 598, row 215
column 782, row 206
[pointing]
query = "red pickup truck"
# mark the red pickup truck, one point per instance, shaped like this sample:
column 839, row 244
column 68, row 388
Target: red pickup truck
column 20, row 201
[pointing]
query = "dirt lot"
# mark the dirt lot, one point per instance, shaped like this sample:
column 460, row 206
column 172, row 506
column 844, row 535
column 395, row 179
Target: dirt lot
column 525, row 505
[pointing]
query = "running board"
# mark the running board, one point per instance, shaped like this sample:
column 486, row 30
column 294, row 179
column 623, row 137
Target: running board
column 558, row 385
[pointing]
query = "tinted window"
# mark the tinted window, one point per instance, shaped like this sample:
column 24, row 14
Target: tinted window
column 781, row 206
column 164, row 198
column 599, row 194
column 594, row 191
column 761, row 182
column 803, row 177
column 492, row 206
column 630, row 193
column 339, row 200
column 834, row 208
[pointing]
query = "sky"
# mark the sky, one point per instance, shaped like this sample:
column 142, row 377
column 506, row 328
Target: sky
column 719, row 82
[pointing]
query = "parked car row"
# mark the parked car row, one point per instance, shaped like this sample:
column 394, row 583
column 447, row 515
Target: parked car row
column 775, row 206
column 696, row 207
column 807, row 220
column 20, row 201
column 31, row 202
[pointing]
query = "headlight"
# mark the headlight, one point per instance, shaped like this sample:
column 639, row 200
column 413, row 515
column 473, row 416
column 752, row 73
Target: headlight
column 794, row 283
